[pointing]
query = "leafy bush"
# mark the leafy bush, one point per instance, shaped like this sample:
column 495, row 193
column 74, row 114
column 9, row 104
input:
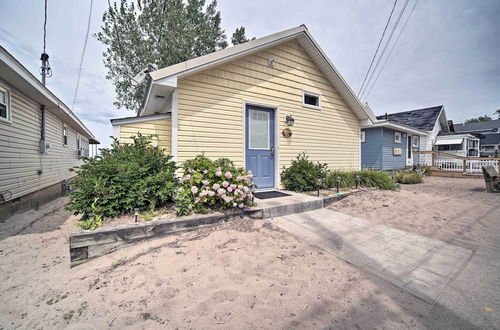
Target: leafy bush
column 303, row 174
column 124, row 177
column 345, row 178
column 376, row 179
column 207, row 185
column 407, row 177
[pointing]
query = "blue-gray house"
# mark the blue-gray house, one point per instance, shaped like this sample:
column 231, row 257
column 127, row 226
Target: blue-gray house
column 388, row 145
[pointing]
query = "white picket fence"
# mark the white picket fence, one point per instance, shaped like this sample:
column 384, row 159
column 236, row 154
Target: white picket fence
column 471, row 165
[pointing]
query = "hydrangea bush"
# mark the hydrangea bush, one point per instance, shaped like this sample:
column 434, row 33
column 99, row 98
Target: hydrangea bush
column 207, row 185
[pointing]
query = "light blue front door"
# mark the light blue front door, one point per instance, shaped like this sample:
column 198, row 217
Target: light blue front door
column 259, row 140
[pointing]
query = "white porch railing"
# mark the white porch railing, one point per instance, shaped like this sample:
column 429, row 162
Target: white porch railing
column 453, row 163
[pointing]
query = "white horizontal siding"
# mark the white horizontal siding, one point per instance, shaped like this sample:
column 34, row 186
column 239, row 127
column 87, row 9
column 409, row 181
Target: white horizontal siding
column 20, row 159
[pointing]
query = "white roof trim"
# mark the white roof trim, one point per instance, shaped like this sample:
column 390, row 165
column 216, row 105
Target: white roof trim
column 449, row 141
column 16, row 66
column 396, row 126
column 131, row 120
column 301, row 33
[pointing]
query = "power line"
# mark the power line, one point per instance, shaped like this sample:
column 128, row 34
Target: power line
column 378, row 46
column 83, row 55
column 392, row 49
column 45, row 27
column 385, row 46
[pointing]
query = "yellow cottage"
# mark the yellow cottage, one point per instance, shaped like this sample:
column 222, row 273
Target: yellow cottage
column 259, row 104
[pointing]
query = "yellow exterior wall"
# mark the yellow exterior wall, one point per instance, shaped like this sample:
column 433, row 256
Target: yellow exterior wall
column 160, row 127
column 210, row 109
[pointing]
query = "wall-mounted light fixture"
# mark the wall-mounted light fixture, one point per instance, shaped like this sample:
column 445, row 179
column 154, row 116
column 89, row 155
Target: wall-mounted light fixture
column 289, row 120
column 270, row 62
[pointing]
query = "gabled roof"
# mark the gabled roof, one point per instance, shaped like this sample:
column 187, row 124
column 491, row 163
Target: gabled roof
column 16, row 75
column 168, row 76
column 479, row 126
column 422, row 119
column 396, row 126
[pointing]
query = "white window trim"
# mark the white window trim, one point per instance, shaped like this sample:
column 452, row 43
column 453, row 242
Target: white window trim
column 7, row 103
column 397, row 134
column 309, row 105
column 65, row 129
column 415, row 138
column 250, row 130
column 363, row 137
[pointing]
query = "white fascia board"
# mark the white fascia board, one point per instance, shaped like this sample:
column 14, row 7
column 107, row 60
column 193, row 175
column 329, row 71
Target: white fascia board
column 398, row 127
column 12, row 63
column 167, row 81
column 132, row 120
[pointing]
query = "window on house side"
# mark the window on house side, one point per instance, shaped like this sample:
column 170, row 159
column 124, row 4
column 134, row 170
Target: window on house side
column 65, row 136
column 397, row 137
column 415, row 141
column 4, row 104
column 311, row 100
column 363, row 136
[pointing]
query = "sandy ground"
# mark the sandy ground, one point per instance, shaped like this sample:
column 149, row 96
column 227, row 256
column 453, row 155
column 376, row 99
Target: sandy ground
column 440, row 208
column 243, row 274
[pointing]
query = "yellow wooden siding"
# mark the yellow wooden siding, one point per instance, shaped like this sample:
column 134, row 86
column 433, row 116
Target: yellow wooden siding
column 210, row 109
column 160, row 127
column 20, row 159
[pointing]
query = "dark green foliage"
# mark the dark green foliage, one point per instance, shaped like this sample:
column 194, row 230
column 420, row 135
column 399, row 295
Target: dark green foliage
column 142, row 33
column 239, row 36
column 345, row 178
column 303, row 174
column 123, row 178
column 367, row 178
column 478, row 119
column 407, row 177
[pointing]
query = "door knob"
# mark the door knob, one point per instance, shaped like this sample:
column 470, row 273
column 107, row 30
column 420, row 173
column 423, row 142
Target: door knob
column 272, row 150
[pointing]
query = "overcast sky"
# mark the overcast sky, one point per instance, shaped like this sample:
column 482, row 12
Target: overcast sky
column 449, row 53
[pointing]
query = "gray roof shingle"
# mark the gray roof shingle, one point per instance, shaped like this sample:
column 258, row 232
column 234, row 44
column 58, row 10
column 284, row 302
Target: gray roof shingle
column 491, row 139
column 423, row 119
column 479, row 126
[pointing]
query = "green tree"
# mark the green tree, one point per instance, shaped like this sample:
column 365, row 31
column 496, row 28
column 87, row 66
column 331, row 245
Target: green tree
column 239, row 36
column 140, row 34
column 478, row 119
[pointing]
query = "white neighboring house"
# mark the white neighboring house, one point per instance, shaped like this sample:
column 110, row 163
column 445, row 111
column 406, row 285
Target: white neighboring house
column 464, row 145
column 40, row 140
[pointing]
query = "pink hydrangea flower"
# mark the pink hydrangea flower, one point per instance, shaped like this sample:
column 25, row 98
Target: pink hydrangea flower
column 229, row 189
column 187, row 177
column 228, row 175
column 211, row 193
column 225, row 184
column 215, row 186
column 221, row 191
column 205, row 182
column 205, row 171
column 240, row 187
column 180, row 189
column 241, row 205
column 194, row 189
column 235, row 204
column 233, row 186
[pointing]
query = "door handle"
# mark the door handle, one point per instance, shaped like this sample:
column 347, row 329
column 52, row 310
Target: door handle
column 272, row 150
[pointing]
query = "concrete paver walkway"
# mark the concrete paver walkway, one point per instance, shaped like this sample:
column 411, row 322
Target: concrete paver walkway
column 419, row 265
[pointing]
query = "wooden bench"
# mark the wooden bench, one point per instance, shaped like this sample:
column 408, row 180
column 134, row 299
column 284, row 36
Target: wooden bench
column 491, row 178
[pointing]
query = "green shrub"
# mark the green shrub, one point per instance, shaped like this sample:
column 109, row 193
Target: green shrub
column 345, row 178
column 407, row 177
column 208, row 185
column 376, row 179
column 303, row 174
column 123, row 178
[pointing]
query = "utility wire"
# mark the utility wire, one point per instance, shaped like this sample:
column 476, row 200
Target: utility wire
column 45, row 27
column 392, row 49
column 83, row 55
column 385, row 46
column 378, row 46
